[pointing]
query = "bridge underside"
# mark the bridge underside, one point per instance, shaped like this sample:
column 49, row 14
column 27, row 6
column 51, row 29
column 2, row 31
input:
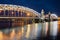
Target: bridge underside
column 18, row 22
column 9, row 23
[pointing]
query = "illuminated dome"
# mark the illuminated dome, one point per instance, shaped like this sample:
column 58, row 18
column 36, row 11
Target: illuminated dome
column 54, row 16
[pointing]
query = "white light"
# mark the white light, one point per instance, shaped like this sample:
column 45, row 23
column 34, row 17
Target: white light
column 28, row 31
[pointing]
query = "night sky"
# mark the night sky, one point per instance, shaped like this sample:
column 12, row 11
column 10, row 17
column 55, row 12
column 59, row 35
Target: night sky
column 47, row 5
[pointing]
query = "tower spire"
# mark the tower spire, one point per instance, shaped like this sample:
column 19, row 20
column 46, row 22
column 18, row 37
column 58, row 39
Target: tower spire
column 42, row 13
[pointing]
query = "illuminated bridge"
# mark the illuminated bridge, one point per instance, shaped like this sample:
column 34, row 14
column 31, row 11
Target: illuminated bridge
column 16, row 15
column 16, row 11
column 23, row 23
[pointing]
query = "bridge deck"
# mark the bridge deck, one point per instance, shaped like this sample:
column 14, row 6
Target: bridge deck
column 21, row 17
column 25, row 17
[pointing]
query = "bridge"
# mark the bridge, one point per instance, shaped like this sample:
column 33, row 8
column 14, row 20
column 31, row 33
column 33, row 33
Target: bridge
column 19, row 16
column 15, row 11
column 15, row 15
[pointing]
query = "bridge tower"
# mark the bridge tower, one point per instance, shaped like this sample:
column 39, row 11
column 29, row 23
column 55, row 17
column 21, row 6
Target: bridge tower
column 42, row 13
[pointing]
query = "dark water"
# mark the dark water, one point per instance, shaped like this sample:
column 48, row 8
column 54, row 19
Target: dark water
column 35, row 31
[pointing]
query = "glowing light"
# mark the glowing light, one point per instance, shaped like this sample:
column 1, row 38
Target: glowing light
column 19, row 34
column 12, row 12
column 0, row 10
column 1, row 35
column 54, row 28
column 36, row 28
column 12, row 34
column 46, row 27
column 28, row 14
column 28, row 31
column 22, row 30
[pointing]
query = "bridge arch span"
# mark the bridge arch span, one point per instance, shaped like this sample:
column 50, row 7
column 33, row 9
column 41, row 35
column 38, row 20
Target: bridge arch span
column 18, row 8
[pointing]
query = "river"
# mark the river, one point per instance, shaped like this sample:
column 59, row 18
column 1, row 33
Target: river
column 29, row 32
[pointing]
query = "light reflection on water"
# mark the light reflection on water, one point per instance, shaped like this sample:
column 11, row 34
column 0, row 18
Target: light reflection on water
column 30, row 31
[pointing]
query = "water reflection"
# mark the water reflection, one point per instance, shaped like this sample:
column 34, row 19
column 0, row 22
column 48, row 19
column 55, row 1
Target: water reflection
column 30, row 31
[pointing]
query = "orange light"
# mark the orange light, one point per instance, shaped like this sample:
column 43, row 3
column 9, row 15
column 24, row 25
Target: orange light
column 28, row 31
column 28, row 14
column 0, row 11
column 1, row 35
column 12, row 34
